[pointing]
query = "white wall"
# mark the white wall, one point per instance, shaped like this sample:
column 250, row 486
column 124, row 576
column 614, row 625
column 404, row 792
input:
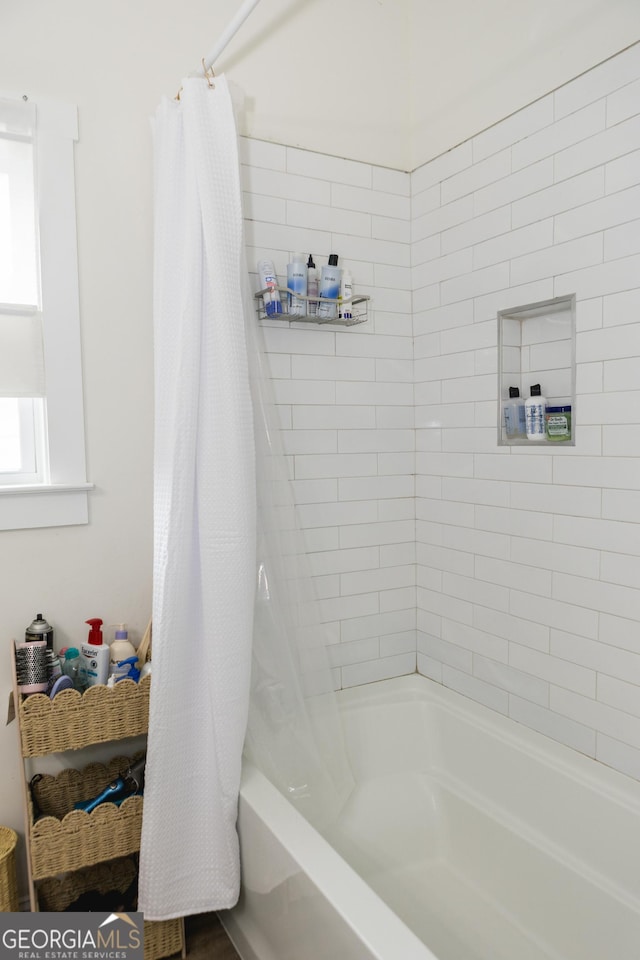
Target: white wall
column 345, row 396
column 472, row 64
column 528, row 559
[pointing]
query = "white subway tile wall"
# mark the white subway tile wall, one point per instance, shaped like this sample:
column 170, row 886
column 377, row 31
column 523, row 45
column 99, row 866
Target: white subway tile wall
column 509, row 574
column 529, row 559
column 345, row 396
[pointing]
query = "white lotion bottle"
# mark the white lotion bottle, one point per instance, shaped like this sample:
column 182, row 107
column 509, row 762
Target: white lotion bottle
column 329, row 289
column 297, row 285
column 534, row 408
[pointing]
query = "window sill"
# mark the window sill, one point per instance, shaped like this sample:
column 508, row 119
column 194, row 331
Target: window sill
column 44, row 505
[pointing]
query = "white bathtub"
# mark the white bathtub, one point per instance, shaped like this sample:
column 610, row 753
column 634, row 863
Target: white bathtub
column 468, row 837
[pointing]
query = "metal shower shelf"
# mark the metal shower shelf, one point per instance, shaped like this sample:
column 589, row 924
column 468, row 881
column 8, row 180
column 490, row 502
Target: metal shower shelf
column 359, row 304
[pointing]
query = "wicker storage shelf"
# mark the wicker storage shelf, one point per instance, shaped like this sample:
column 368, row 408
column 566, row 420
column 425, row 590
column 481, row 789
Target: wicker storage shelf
column 8, row 882
column 161, row 938
column 73, row 720
column 64, row 839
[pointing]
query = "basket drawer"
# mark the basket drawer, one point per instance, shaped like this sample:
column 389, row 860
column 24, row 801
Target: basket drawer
column 64, row 839
column 73, row 720
column 162, row 938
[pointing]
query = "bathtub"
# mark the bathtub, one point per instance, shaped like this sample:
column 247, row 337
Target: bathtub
column 467, row 837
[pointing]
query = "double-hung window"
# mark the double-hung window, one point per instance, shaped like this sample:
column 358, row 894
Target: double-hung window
column 42, row 455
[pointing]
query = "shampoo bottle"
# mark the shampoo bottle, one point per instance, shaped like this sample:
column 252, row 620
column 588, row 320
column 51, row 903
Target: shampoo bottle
column 297, row 285
column 330, row 289
column 312, row 286
column 346, row 293
column 534, row 414
column 269, row 283
column 94, row 656
column 514, row 419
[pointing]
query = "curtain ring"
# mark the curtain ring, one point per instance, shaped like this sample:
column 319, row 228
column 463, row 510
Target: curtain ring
column 208, row 75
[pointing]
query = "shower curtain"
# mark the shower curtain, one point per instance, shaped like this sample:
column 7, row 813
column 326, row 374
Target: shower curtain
column 237, row 641
column 204, row 512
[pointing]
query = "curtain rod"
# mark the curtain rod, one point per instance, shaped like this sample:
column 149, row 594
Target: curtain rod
column 227, row 35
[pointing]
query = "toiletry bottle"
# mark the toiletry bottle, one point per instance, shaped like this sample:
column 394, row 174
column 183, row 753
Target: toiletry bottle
column 534, row 414
column 558, row 422
column 514, row 419
column 297, row 285
column 71, row 666
column 346, row 292
column 94, row 656
column 120, row 649
column 312, row 287
column 329, row 288
column 39, row 629
column 269, row 283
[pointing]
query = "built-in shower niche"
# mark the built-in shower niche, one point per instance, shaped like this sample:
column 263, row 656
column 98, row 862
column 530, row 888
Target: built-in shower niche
column 536, row 344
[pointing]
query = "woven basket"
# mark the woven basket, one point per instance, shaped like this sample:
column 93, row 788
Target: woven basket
column 64, row 839
column 8, row 882
column 73, row 720
column 162, row 938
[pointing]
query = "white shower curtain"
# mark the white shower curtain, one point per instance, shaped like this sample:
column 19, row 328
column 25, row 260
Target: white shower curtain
column 205, row 515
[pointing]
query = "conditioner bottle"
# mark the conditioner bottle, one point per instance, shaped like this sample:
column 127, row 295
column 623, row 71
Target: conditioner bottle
column 329, row 289
column 534, row 408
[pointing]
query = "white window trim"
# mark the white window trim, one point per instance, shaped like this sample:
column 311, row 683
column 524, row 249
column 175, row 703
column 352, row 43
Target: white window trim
column 62, row 499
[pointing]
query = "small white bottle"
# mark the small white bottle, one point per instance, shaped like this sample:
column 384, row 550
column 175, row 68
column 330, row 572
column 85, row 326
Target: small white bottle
column 297, row 285
column 534, row 408
column 346, row 293
column 312, row 287
column 329, row 289
column 269, row 283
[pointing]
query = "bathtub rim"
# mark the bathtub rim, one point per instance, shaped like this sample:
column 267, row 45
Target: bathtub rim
column 384, row 934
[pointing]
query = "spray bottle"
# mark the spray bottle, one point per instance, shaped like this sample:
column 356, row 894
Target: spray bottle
column 94, row 656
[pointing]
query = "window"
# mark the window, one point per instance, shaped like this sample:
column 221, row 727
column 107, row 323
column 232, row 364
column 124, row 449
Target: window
column 42, row 457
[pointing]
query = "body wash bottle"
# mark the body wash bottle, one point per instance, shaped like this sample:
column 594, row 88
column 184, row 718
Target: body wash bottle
column 534, row 414
column 329, row 288
column 297, row 285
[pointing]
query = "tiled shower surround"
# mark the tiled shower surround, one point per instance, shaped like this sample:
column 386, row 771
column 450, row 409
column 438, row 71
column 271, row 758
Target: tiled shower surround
column 507, row 573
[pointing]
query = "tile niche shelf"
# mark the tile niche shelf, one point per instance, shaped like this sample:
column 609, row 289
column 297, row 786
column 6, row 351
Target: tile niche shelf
column 536, row 344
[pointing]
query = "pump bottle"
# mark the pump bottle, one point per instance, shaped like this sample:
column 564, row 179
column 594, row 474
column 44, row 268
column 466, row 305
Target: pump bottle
column 121, row 650
column 329, row 289
column 94, row 656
